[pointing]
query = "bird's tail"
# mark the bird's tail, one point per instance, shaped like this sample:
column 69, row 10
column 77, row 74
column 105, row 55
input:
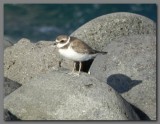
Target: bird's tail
column 102, row 52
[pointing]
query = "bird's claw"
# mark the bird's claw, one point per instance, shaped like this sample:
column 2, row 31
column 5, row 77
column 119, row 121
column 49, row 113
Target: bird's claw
column 74, row 73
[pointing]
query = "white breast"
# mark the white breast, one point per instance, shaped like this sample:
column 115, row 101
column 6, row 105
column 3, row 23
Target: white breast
column 72, row 55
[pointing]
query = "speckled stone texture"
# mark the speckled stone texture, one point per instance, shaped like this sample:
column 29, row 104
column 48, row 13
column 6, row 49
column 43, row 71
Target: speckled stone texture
column 25, row 60
column 60, row 96
column 104, row 29
column 130, row 68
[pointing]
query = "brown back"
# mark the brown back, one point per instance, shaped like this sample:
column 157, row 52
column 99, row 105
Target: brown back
column 81, row 47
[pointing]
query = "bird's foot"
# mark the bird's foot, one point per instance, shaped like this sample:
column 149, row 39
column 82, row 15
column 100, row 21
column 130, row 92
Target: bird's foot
column 89, row 72
column 74, row 73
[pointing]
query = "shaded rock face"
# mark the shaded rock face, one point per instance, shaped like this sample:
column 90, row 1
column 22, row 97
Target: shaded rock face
column 7, row 42
column 25, row 60
column 9, row 86
column 8, row 116
column 130, row 68
column 102, row 30
column 60, row 96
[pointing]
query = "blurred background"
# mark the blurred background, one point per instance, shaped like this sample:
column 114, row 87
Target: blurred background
column 45, row 21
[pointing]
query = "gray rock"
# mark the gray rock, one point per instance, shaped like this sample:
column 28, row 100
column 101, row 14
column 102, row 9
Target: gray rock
column 60, row 96
column 102, row 30
column 130, row 68
column 7, row 42
column 24, row 60
column 10, row 86
column 8, row 116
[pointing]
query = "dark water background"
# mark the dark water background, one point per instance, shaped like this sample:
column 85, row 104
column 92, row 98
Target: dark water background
column 46, row 21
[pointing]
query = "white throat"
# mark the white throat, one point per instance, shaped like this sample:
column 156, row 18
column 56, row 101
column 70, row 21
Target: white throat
column 59, row 45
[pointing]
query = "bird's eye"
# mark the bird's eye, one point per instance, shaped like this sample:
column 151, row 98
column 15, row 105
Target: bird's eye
column 62, row 41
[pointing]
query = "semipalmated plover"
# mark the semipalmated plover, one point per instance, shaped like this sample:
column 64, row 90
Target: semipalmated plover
column 75, row 49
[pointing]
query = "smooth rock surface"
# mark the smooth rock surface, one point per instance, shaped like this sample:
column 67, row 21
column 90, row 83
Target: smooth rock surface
column 102, row 30
column 130, row 68
column 60, row 96
column 24, row 60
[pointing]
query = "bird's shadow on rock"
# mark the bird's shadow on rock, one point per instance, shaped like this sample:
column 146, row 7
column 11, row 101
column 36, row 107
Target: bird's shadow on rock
column 121, row 83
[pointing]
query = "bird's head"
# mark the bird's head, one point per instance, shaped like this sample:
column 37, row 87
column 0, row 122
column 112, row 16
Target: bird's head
column 62, row 40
